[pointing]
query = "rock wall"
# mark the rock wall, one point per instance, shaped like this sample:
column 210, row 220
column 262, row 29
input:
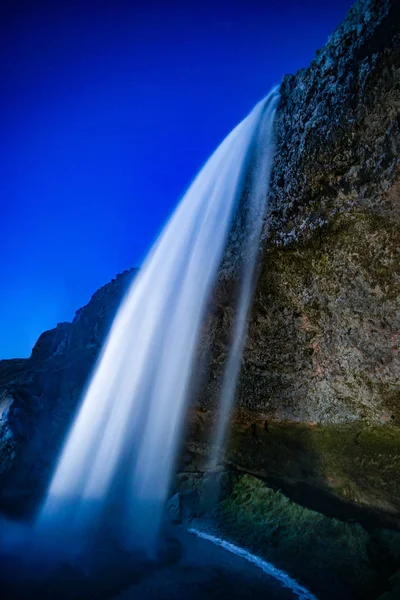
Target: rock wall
column 39, row 395
column 318, row 401
column 324, row 337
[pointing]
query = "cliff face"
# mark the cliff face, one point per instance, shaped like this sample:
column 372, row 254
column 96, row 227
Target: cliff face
column 319, row 393
column 39, row 395
column 333, row 277
column 324, row 337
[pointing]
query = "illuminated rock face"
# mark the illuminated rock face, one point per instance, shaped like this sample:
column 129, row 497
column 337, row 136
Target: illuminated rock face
column 324, row 337
column 323, row 343
column 322, row 356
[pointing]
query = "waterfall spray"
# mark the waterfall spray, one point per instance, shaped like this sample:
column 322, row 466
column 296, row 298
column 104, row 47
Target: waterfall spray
column 119, row 456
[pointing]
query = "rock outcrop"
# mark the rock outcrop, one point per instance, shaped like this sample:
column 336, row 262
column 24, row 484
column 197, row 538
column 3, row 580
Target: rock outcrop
column 39, row 395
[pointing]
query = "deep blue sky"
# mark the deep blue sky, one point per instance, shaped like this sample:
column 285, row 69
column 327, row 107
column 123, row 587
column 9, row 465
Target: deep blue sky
column 109, row 109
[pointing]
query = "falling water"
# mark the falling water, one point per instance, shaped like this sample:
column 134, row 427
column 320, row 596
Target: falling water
column 255, row 193
column 122, row 447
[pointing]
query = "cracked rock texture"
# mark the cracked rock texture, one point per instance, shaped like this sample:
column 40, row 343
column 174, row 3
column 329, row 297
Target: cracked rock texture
column 318, row 400
column 324, row 336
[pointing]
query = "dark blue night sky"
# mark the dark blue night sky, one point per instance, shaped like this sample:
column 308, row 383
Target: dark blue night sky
column 109, row 110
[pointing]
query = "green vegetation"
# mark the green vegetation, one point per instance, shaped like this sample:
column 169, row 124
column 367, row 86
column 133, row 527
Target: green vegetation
column 327, row 552
column 355, row 461
column 333, row 558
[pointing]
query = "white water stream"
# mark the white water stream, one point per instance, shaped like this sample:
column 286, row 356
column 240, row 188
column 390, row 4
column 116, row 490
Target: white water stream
column 122, row 447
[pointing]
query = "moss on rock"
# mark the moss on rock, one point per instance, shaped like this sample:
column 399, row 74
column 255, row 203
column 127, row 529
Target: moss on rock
column 325, row 552
column 359, row 463
column 332, row 557
column 355, row 464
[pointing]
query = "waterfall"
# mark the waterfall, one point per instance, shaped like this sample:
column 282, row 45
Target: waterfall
column 255, row 195
column 119, row 456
